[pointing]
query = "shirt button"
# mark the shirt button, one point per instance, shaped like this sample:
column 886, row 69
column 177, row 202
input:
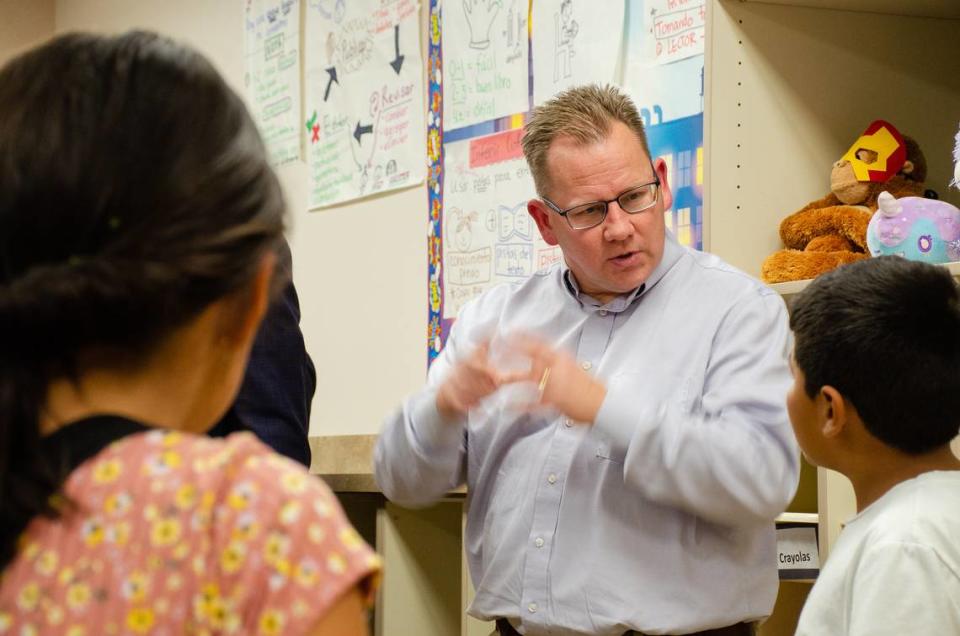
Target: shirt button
column 567, row 422
column 538, row 542
column 532, row 608
column 586, row 365
column 552, row 478
column 602, row 312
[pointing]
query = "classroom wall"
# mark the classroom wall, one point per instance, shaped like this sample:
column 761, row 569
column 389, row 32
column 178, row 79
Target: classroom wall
column 360, row 269
column 23, row 25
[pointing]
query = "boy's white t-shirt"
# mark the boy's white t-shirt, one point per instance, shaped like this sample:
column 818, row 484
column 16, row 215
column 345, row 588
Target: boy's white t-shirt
column 895, row 570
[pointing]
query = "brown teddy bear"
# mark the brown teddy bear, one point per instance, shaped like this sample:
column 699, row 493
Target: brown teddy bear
column 832, row 231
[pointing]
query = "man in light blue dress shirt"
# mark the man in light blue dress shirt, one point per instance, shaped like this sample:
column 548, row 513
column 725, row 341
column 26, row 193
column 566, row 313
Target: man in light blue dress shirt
column 627, row 478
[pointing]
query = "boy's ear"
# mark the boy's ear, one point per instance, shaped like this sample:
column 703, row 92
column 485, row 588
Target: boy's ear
column 834, row 412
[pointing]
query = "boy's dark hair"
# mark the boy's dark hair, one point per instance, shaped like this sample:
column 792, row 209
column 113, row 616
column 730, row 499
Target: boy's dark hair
column 885, row 333
column 134, row 192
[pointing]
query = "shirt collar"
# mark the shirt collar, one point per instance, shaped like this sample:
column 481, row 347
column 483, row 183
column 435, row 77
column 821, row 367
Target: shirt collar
column 672, row 251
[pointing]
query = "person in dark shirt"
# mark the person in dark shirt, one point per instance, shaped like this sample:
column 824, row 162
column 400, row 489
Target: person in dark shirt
column 274, row 400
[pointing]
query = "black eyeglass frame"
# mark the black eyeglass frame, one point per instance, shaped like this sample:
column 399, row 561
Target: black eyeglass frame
column 606, row 204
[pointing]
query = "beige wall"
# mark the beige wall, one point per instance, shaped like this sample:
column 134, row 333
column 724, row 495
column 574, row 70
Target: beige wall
column 360, row 269
column 23, row 24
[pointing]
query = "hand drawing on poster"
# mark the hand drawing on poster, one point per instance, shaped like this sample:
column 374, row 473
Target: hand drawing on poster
column 364, row 121
column 574, row 42
column 271, row 48
column 485, row 61
column 489, row 237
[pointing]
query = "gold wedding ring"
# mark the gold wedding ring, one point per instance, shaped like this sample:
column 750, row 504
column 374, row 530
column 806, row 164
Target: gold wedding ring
column 543, row 381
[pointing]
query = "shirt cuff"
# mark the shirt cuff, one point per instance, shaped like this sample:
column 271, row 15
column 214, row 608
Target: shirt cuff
column 434, row 434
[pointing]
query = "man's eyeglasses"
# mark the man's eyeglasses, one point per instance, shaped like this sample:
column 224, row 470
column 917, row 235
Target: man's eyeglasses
column 588, row 215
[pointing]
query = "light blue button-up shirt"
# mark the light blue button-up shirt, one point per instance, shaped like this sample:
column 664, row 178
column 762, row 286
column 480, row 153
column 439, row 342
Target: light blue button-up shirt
column 659, row 517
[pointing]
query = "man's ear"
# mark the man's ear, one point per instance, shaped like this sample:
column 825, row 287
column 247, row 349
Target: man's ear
column 834, row 412
column 666, row 196
column 544, row 218
column 907, row 167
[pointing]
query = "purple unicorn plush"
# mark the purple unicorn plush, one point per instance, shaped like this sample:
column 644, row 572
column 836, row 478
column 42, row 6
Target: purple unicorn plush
column 916, row 228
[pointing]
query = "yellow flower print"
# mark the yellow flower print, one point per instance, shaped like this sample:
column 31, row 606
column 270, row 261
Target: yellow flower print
column 208, row 604
column 181, row 551
column 276, row 547
column 107, row 471
column 294, row 482
column 118, row 503
column 186, row 496
column 29, row 549
column 300, row 608
column 290, row 512
column 165, row 532
column 172, row 438
column 47, row 563
column 246, row 528
column 6, row 620
column 150, row 512
column 54, row 615
column 241, row 495
column 271, row 623
column 29, row 597
column 200, row 520
column 78, row 596
column 134, row 588
column 316, row 533
column 162, row 463
column 140, row 620
column 350, row 539
column 29, row 629
column 174, row 582
column 76, row 630
column 65, row 576
column 92, row 532
column 306, row 573
column 207, row 500
column 322, row 508
column 233, row 557
column 336, row 563
column 119, row 533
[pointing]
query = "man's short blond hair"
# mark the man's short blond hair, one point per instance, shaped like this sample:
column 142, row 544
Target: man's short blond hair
column 583, row 113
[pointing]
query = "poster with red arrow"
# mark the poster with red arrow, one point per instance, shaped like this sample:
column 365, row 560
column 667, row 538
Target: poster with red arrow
column 363, row 120
column 272, row 74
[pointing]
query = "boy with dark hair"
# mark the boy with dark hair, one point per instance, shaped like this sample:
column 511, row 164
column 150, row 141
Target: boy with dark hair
column 876, row 396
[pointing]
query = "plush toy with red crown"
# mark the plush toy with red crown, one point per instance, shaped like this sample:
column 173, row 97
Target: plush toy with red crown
column 832, row 231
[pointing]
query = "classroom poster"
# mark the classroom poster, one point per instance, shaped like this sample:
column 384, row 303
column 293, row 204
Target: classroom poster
column 489, row 237
column 574, row 42
column 363, row 120
column 663, row 74
column 271, row 51
column 485, row 60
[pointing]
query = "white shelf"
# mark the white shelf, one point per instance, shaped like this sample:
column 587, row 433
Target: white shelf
column 794, row 287
column 811, row 518
column 918, row 8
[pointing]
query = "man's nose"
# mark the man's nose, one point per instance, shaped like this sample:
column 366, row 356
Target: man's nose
column 617, row 226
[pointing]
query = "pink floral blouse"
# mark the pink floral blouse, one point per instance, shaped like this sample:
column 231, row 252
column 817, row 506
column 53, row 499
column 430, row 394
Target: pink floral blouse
column 173, row 533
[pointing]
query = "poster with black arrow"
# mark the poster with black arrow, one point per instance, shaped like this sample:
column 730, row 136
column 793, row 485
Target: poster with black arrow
column 364, row 106
column 271, row 49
